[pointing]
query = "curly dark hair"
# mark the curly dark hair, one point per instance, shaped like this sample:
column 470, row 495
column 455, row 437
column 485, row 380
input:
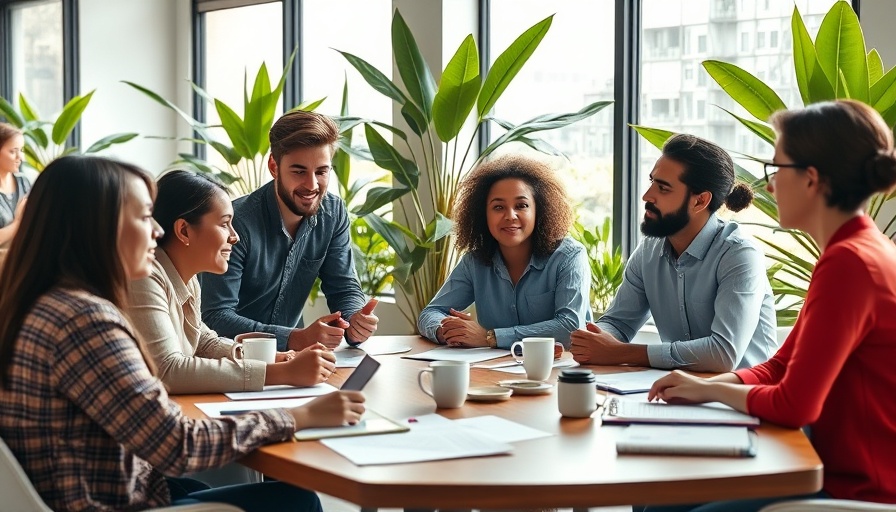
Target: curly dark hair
column 553, row 212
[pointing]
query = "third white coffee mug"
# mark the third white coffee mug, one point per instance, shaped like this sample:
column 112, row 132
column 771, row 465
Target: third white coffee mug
column 538, row 356
column 450, row 381
column 263, row 349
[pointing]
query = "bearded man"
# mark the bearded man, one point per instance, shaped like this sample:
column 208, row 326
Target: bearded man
column 701, row 278
column 292, row 231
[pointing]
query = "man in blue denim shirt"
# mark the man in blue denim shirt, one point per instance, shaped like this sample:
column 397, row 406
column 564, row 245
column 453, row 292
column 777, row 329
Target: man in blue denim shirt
column 291, row 232
column 700, row 277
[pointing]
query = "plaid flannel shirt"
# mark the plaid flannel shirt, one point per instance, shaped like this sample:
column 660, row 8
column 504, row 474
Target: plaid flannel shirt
column 93, row 429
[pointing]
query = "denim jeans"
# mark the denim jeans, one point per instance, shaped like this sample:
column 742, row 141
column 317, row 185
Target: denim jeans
column 261, row 497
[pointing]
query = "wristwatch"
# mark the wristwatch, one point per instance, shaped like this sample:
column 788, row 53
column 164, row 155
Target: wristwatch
column 490, row 339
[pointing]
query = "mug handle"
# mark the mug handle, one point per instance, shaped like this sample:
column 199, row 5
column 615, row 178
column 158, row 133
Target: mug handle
column 513, row 351
column 420, row 380
column 233, row 349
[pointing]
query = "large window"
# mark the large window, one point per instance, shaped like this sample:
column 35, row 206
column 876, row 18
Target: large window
column 572, row 67
column 37, row 58
column 232, row 61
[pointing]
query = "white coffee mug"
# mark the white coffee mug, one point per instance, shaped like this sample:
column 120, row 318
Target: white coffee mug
column 263, row 349
column 538, row 357
column 449, row 383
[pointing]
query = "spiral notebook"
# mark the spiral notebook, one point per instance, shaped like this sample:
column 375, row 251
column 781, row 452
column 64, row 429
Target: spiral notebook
column 630, row 411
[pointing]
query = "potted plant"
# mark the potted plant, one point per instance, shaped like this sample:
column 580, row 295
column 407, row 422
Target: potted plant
column 432, row 155
column 46, row 139
column 607, row 264
column 835, row 65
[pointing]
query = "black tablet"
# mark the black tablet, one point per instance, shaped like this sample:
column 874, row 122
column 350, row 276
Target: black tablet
column 358, row 379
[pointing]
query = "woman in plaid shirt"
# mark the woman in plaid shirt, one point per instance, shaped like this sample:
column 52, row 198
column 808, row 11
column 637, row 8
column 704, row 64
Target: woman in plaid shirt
column 80, row 406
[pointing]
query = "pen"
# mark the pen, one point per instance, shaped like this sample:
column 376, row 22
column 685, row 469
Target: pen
column 236, row 413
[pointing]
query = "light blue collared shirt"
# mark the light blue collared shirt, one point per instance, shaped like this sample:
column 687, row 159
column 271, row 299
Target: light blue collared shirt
column 713, row 305
column 551, row 299
column 270, row 274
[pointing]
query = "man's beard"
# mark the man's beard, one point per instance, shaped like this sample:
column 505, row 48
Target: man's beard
column 287, row 197
column 665, row 225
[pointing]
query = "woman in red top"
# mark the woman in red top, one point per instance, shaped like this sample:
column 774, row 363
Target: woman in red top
column 834, row 372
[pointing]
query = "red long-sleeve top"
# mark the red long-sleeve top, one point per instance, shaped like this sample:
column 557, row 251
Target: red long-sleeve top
column 836, row 372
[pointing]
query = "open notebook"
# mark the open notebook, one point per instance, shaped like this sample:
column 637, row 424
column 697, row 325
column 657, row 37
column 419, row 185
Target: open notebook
column 630, row 411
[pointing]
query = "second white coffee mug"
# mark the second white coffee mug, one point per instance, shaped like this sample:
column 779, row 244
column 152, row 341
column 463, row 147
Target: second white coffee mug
column 449, row 383
column 263, row 349
column 538, row 356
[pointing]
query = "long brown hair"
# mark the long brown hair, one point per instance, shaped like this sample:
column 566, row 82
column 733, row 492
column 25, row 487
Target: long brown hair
column 68, row 235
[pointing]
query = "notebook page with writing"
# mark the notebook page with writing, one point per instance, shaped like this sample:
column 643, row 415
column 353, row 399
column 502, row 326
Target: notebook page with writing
column 626, row 411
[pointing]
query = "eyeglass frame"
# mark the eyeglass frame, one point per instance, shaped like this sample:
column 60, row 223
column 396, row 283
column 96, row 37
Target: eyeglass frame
column 766, row 165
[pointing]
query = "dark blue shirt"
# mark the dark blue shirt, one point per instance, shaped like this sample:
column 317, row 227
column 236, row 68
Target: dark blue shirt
column 271, row 274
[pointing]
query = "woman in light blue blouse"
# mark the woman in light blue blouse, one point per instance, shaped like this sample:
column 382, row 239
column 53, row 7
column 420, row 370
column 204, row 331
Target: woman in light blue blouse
column 526, row 276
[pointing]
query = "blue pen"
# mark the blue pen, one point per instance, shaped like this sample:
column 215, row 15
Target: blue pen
column 235, row 413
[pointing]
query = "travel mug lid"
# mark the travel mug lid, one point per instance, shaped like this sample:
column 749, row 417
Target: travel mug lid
column 574, row 375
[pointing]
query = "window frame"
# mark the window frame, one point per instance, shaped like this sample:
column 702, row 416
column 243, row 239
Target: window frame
column 71, row 75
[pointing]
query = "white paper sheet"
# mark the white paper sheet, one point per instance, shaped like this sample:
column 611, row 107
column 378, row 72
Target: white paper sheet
column 517, row 369
column 218, row 409
column 420, row 444
column 282, row 391
column 350, row 357
column 501, row 430
column 630, row 382
column 470, row 355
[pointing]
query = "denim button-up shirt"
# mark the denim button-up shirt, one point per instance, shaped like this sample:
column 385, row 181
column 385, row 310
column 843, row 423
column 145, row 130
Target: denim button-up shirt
column 271, row 274
column 713, row 305
column 551, row 299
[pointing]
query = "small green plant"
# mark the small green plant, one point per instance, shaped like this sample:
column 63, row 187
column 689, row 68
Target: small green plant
column 247, row 147
column 45, row 140
column 607, row 264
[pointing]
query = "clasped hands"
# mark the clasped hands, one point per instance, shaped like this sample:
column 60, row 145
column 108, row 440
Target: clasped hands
column 590, row 345
column 458, row 329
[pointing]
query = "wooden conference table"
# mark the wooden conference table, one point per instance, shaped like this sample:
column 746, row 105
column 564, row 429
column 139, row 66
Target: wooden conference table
column 576, row 467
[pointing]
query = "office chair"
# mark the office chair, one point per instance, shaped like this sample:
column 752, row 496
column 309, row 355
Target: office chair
column 827, row 506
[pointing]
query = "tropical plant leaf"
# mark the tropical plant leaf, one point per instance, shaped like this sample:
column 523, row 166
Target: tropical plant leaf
column 438, row 228
column 386, row 156
column 377, row 197
column 804, row 57
column 342, row 161
column 35, row 133
column 820, row 89
column 253, row 111
column 412, row 67
column 228, row 153
column 840, row 47
column 509, row 63
column 110, row 140
column 457, row 92
column 655, row 136
column 233, row 125
column 69, row 117
column 764, row 131
column 744, row 88
column 415, row 118
column 392, row 233
column 544, row 122
column 875, row 67
column 29, row 113
column 9, row 112
column 309, row 106
column 883, row 92
column 376, row 79
column 158, row 99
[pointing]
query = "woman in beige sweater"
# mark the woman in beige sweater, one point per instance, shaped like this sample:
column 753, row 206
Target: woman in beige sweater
column 196, row 214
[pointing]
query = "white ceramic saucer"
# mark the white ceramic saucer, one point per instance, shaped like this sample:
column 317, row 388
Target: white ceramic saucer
column 527, row 387
column 488, row 394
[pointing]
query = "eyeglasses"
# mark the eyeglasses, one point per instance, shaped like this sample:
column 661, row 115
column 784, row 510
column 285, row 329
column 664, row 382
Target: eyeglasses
column 771, row 168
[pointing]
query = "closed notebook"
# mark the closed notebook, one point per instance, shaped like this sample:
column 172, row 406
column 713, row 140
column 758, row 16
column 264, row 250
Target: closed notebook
column 371, row 423
column 630, row 411
column 687, row 440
